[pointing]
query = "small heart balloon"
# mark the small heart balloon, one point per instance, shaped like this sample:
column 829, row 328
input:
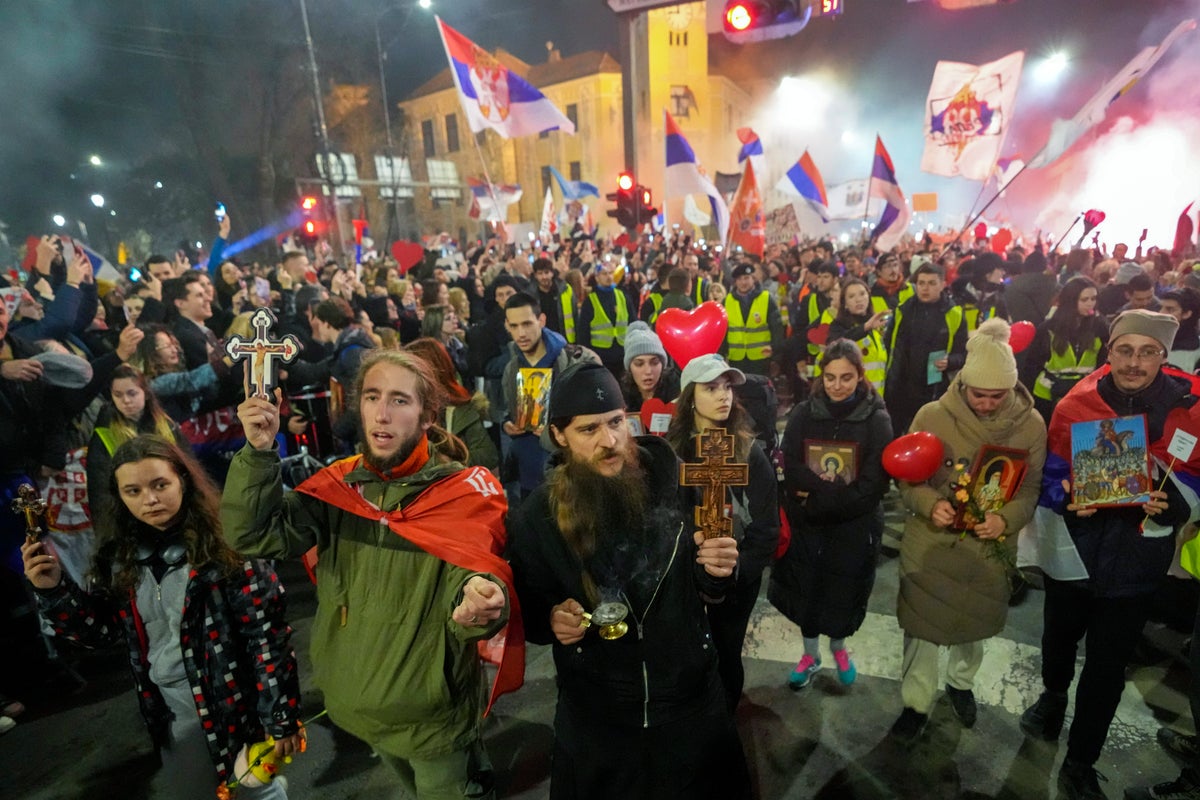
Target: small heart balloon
column 1091, row 218
column 407, row 254
column 913, row 458
column 1021, row 335
column 818, row 334
column 687, row 334
column 981, row 230
column 1001, row 241
column 655, row 414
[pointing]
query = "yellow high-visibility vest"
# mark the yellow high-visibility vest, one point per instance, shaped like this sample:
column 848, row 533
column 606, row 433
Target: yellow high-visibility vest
column 604, row 330
column 567, row 301
column 1065, row 365
column 749, row 339
column 954, row 320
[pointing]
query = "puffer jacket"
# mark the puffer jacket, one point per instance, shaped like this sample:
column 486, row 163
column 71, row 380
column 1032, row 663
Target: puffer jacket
column 955, row 590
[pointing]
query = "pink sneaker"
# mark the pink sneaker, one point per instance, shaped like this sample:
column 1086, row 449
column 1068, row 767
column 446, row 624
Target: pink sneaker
column 804, row 672
column 847, row 672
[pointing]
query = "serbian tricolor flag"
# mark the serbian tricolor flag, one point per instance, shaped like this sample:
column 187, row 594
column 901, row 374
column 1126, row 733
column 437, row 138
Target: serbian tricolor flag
column 683, row 176
column 896, row 214
column 493, row 96
column 1053, row 548
column 748, row 226
column 752, row 150
column 805, row 180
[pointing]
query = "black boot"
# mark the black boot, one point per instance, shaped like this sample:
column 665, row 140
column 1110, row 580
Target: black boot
column 1044, row 719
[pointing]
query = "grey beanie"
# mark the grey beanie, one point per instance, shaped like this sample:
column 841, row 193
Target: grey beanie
column 641, row 341
column 1126, row 272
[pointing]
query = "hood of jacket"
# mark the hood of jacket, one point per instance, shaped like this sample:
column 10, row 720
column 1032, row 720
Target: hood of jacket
column 998, row 427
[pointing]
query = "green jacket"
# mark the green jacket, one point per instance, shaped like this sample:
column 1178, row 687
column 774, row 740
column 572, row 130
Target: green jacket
column 395, row 670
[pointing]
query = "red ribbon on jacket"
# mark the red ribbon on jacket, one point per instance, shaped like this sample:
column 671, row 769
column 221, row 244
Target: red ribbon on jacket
column 460, row 520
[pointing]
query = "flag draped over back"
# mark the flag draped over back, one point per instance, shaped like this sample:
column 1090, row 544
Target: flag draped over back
column 574, row 190
column 805, row 180
column 896, row 214
column 493, row 96
column 967, row 113
column 747, row 226
column 683, row 175
column 1065, row 132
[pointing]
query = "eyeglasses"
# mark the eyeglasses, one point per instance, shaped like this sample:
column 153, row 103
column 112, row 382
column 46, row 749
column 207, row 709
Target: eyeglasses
column 1127, row 353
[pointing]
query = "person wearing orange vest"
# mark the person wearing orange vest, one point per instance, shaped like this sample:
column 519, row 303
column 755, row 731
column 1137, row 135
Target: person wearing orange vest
column 755, row 328
column 409, row 573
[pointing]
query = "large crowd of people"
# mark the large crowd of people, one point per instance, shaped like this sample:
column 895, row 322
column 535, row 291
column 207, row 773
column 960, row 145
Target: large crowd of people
column 487, row 448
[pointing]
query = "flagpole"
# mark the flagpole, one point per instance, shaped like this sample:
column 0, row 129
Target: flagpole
column 1067, row 232
column 995, row 197
column 487, row 177
column 867, row 205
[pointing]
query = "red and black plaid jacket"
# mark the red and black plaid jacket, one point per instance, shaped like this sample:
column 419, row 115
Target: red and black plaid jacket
column 240, row 664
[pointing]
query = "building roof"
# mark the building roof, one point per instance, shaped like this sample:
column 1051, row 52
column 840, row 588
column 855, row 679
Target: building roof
column 541, row 75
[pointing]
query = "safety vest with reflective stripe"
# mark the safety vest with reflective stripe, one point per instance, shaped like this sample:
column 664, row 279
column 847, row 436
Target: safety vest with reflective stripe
column 971, row 315
column 566, row 301
column 656, row 300
column 699, row 290
column 879, row 303
column 954, row 319
column 814, row 312
column 604, row 331
column 874, row 355
column 750, row 339
column 1065, row 366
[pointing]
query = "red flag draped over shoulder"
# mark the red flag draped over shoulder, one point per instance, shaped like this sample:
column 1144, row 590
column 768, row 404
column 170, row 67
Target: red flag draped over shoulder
column 460, row 520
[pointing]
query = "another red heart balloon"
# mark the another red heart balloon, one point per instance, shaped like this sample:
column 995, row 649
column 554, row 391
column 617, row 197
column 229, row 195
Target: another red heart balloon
column 818, row 335
column 913, row 458
column 649, row 409
column 981, row 230
column 1021, row 335
column 687, row 334
column 1092, row 217
column 1001, row 240
column 407, row 254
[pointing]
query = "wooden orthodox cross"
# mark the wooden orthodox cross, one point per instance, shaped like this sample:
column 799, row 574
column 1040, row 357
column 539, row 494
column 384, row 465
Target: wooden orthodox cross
column 714, row 473
column 262, row 352
column 29, row 503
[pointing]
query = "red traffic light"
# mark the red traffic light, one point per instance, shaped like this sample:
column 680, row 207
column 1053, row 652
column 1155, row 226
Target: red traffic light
column 308, row 203
column 310, row 228
column 625, row 182
column 646, row 201
column 738, row 17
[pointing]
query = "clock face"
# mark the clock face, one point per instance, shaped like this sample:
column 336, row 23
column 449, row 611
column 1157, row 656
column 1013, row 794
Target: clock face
column 679, row 17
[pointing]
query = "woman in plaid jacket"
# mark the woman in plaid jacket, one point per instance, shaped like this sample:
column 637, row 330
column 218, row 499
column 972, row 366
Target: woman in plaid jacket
column 208, row 643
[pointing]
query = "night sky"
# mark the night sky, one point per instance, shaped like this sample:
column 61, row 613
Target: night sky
column 82, row 77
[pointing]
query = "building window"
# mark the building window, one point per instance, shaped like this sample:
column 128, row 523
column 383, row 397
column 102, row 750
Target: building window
column 395, row 177
column 342, row 172
column 452, row 133
column 427, row 138
column 573, row 114
column 683, row 100
column 444, row 184
column 545, row 180
column 575, row 171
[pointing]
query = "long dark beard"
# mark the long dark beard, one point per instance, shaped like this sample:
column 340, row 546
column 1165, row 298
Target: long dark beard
column 592, row 509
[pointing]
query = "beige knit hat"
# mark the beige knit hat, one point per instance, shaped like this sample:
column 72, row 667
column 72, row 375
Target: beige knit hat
column 990, row 363
column 1161, row 327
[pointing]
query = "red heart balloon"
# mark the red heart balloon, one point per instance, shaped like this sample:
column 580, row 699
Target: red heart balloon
column 913, row 458
column 649, row 409
column 981, row 230
column 1093, row 217
column 407, row 254
column 1001, row 240
column 687, row 334
column 819, row 335
column 1021, row 335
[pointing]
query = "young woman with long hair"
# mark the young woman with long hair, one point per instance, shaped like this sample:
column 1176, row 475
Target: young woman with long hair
column 180, row 391
column 460, row 416
column 1071, row 343
column 648, row 371
column 833, row 483
column 707, row 401
column 205, row 630
column 441, row 323
column 859, row 322
column 134, row 411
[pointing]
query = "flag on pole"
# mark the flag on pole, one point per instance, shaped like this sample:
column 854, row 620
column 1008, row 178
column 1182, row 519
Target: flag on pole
column 1183, row 233
column 752, row 150
column 896, row 214
column 683, row 175
column 849, row 200
column 574, row 190
column 549, row 223
column 1065, row 132
column 748, row 225
column 1006, row 170
column 491, row 203
column 493, row 96
column 805, row 180
column 967, row 113
column 101, row 267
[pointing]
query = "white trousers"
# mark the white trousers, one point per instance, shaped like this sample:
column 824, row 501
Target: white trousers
column 919, row 673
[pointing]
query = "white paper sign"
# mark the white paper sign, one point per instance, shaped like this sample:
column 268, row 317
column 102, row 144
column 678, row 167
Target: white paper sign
column 660, row 422
column 1182, row 445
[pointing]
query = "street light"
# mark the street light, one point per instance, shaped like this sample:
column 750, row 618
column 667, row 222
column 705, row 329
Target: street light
column 95, row 161
column 98, row 200
column 425, row 3
column 1052, row 66
column 158, row 184
column 59, row 220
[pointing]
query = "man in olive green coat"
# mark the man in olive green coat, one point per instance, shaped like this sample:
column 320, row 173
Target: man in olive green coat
column 954, row 587
column 400, row 605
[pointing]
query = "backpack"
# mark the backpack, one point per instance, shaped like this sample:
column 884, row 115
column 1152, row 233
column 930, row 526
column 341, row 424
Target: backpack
column 757, row 396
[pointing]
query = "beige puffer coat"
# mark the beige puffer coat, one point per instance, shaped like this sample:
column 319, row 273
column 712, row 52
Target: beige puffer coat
column 953, row 591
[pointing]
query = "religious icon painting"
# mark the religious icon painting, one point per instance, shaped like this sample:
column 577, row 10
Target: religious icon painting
column 1110, row 463
column 836, row 462
column 994, row 479
column 634, row 421
column 533, row 395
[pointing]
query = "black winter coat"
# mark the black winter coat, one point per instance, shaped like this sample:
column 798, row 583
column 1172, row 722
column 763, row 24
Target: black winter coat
column 824, row 580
